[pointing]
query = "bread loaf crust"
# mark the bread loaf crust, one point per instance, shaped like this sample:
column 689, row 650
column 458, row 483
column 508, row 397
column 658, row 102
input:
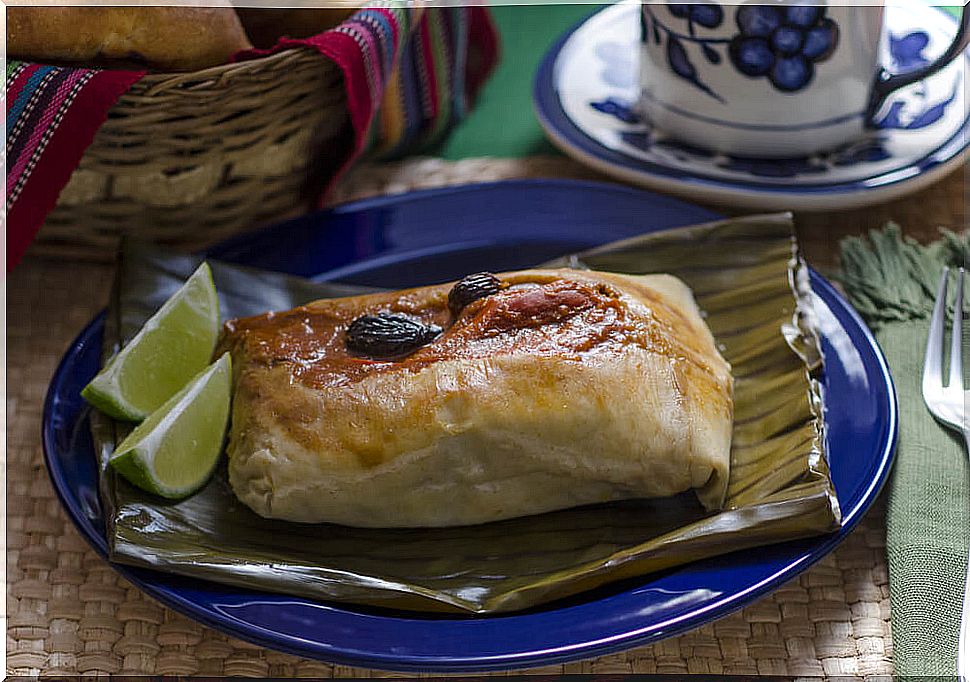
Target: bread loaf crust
column 163, row 38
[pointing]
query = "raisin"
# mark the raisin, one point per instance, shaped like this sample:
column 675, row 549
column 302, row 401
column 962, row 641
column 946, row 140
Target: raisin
column 388, row 336
column 472, row 288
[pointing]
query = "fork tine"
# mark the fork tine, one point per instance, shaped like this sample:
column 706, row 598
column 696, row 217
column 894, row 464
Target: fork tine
column 956, row 338
column 933, row 362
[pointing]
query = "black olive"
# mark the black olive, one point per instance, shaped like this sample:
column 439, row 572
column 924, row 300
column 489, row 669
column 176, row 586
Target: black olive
column 388, row 336
column 472, row 288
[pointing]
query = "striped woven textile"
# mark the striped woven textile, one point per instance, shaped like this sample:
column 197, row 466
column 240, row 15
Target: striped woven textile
column 52, row 115
column 410, row 74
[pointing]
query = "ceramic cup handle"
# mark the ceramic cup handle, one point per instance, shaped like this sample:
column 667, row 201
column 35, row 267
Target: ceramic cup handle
column 887, row 82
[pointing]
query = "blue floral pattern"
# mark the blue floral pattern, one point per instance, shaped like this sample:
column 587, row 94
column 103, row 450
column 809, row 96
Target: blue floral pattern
column 902, row 115
column 599, row 93
column 707, row 15
column 782, row 44
column 618, row 109
column 907, row 50
column 913, row 113
column 868, row 150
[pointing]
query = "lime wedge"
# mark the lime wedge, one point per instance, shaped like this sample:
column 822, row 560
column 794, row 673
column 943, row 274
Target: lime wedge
column 173, row 346
column 174, row 451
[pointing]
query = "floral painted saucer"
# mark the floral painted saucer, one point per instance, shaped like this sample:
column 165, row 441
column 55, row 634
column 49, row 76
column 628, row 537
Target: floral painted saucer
column 586, row 96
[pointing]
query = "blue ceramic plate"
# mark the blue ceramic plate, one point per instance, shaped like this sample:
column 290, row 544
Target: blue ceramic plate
column 586, row 91
column 439, row 235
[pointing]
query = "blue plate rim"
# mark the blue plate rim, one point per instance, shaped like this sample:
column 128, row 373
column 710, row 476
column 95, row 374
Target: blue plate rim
column 347, row 656
column 381, row 200
column 566, row 134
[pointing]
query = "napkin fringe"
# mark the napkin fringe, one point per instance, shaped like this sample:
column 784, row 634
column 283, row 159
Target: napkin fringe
column 892, row 278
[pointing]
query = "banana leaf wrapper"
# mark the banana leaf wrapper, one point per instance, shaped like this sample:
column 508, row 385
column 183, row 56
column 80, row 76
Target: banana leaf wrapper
column 753, row 287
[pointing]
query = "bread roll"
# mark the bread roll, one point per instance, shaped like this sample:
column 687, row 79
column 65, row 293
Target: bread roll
column 163, row 38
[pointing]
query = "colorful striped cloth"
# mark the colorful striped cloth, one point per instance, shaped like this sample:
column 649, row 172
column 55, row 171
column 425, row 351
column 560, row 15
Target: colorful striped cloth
column 410, row 74
column 52, row 115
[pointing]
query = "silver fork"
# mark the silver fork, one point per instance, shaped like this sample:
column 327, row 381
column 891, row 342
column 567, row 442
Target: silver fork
column 949, row 405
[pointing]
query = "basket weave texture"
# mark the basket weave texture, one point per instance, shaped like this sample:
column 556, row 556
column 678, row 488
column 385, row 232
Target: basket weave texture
column 188, row 159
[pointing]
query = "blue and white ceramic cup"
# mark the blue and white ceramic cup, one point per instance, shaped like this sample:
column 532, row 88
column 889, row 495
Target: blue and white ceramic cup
column 769, row 80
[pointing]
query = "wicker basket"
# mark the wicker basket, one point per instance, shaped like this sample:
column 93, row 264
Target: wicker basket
column 188, row 159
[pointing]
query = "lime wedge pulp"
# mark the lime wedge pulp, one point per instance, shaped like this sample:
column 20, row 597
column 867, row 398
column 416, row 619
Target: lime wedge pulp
column 171, row 348
column 174, row 451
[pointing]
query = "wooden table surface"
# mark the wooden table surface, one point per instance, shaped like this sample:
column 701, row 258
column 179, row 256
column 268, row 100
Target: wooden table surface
column 69, row 613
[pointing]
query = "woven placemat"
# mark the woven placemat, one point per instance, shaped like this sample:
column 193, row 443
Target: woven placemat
column 70, row 613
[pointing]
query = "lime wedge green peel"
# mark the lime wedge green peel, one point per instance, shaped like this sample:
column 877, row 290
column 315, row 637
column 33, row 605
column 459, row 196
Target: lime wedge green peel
column 175, row 450
column 173, row 346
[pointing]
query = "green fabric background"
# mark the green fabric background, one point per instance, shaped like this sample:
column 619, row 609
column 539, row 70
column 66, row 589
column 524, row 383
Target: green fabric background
column 892, row 282
column 503, row 123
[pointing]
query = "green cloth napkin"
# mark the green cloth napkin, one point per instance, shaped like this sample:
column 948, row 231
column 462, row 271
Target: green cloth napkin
column 892, row 281
column 503, row 122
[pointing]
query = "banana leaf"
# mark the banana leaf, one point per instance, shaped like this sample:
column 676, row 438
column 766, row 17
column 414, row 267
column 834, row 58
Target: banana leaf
column 753, row 288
